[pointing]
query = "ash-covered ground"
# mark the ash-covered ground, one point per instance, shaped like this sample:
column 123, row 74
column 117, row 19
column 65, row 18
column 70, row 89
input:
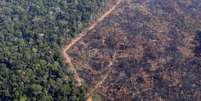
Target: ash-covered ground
column 147, row 50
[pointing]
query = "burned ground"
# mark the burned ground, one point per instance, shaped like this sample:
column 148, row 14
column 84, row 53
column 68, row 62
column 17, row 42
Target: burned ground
column 154, row 47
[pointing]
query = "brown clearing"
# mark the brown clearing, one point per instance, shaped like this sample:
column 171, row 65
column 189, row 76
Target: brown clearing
column 140, row 50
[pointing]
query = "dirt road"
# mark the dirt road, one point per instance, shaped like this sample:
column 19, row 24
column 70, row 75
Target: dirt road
column 65, row 50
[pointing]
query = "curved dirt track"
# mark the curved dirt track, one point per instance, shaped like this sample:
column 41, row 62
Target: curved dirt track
column 67, row 58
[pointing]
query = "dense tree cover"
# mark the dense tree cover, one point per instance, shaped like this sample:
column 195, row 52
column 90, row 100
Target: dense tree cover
column 31, row 35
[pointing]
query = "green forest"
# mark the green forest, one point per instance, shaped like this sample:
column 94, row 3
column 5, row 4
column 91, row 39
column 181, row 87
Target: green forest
column 32, row 33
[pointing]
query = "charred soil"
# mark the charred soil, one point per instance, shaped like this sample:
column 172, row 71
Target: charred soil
column 145, row 50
